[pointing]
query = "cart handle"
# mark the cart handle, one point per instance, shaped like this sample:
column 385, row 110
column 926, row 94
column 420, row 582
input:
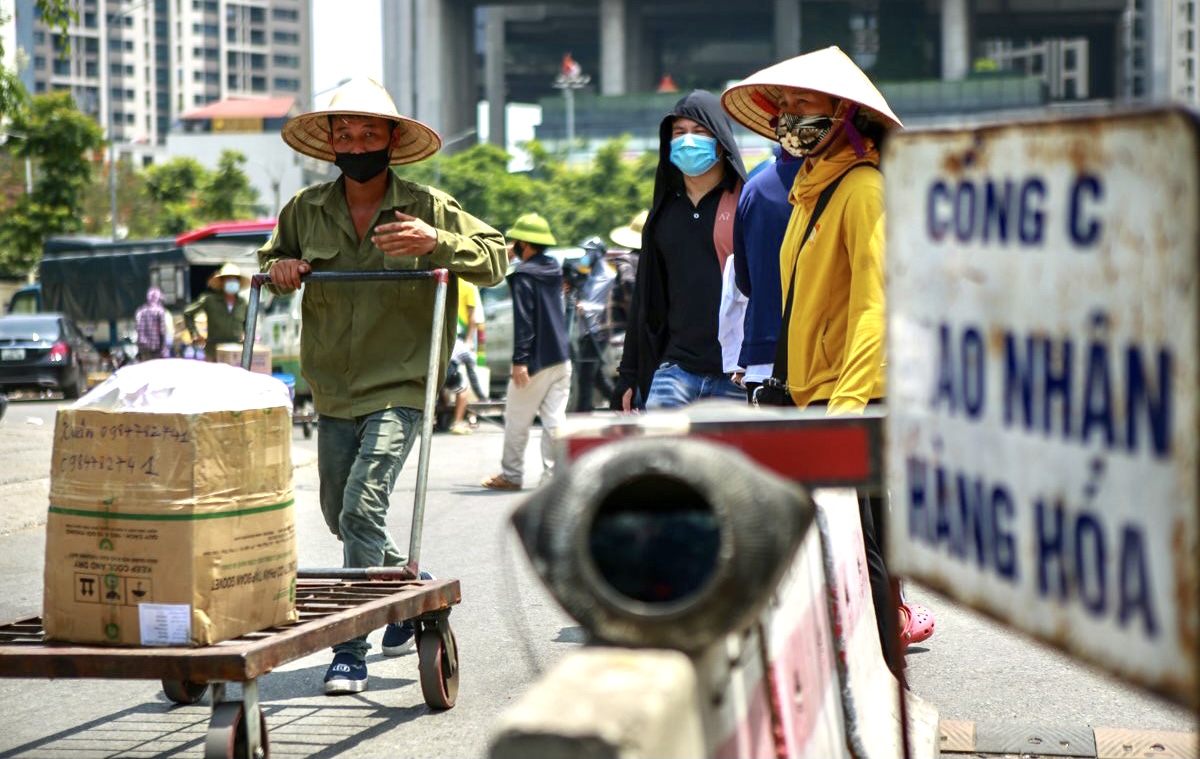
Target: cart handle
column 441, row 278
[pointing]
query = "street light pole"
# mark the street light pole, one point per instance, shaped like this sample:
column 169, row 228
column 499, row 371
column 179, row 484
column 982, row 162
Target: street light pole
column 570, row 78
column 112, row 163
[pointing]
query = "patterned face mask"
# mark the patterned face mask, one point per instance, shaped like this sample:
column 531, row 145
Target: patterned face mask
column 802, row 135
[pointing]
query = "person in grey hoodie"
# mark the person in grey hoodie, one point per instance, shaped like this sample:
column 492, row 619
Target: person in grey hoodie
column 541, row 368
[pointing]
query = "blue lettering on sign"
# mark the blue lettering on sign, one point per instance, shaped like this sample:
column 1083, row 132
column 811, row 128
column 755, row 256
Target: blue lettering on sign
column 1077, row 557
column 1006, row 210
column 999, row 210
column 961, row 372
column 964, row 515
column 1089, row 392
column 1084, row 228
column 1074, row 562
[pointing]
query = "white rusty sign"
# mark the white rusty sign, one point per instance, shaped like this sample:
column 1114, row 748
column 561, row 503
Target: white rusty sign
column 1043, row 333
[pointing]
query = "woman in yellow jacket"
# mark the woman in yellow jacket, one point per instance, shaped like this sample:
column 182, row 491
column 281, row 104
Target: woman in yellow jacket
column 823, row 109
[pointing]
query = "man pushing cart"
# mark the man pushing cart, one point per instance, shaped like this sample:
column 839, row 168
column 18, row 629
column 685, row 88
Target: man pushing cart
column 367, row 349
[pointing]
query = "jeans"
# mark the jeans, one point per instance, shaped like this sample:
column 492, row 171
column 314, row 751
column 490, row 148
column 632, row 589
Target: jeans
column 674, row 386
column 358, row 461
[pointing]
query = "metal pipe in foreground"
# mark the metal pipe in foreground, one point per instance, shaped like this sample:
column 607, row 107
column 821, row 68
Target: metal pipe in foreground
column 664, row 543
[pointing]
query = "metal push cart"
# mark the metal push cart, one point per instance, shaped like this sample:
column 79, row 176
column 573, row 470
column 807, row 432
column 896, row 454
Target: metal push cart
column 334, row 605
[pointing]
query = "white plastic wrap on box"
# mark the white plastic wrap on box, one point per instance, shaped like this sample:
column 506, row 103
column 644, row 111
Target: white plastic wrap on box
column 185, row 386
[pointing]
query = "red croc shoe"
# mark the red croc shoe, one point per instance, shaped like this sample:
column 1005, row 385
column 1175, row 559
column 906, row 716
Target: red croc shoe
column 916, row 623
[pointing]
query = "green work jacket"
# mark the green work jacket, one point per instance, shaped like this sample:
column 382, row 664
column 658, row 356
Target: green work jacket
column 224, row 325
column 364, row 346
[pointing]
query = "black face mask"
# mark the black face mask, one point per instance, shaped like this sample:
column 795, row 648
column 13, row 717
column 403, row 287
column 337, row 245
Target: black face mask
column 363, row 167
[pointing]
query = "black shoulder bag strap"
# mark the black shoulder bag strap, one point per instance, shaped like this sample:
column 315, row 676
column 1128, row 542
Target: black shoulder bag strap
column 779, row 372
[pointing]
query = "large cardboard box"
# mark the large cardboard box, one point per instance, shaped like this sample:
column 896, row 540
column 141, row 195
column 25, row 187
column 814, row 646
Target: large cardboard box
column 169, row 528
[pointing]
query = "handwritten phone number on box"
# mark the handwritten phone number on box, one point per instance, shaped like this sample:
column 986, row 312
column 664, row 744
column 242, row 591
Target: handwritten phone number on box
column 123, row 431
column 88, row 462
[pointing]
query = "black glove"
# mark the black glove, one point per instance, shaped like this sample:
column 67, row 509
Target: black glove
column 623, row 383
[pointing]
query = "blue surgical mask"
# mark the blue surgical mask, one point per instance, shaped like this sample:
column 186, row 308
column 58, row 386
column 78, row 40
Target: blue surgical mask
column 232, row 287
column 694, row 154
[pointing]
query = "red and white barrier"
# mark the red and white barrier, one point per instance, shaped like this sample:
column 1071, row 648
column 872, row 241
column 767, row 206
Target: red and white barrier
column 800, row 654
column 870, row 692
column 808, row 678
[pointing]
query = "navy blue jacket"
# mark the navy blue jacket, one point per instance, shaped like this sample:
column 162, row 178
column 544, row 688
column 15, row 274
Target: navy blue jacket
column 539, row 320
column 762, row 218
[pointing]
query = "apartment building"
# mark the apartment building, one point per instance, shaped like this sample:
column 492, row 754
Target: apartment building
column 138, row 65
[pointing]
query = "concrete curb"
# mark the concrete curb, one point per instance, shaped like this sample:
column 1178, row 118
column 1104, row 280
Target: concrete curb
column 603, row 703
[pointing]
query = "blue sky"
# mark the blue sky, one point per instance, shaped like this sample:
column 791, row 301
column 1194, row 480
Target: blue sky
column 347, row 41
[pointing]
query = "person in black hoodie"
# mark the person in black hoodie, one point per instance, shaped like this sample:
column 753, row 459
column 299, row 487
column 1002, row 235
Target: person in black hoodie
column 541, row 366
column 672, row 353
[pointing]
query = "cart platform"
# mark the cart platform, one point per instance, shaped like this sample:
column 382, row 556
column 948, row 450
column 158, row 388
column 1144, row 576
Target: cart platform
column 334, row 606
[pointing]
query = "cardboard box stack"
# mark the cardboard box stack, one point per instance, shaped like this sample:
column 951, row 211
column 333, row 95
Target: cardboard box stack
column 171, row 508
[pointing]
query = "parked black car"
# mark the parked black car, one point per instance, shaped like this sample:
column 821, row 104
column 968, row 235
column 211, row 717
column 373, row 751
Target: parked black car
column 47, row 352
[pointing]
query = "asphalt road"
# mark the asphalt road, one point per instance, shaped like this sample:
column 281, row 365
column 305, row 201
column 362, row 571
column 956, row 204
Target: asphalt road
column 509, row 632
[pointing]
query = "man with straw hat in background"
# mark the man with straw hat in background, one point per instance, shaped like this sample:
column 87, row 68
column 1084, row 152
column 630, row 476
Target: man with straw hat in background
column 365, row 345
column 541, row 367
column 224, row 310
column 823, row 110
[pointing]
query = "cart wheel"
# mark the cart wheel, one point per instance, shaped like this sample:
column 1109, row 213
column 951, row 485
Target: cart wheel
column 184, row 691
column 227, row 738
column 439, row 674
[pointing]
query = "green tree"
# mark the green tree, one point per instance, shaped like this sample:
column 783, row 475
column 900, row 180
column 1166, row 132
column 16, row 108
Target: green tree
column 57, row 139
column 172, row 186
column 228, row 194
column 603, row 195
column 187, row 195
column 479, row 180
column 174, row 181
column 578, row 202
column 136, row 212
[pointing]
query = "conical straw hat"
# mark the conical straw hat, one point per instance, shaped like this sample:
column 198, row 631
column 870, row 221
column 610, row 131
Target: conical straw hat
column 752, row 101
column 228, row 270
column 309, row 133
column 630, row 235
